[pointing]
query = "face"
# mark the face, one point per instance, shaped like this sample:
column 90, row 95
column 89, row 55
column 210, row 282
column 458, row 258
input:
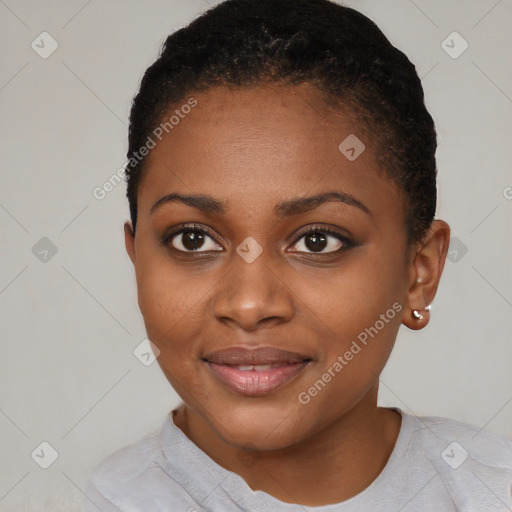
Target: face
column 310, row 283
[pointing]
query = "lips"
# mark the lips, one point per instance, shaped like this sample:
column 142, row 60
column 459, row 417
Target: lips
column 255, row 372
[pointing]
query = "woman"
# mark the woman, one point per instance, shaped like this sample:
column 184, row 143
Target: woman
column 282, row 191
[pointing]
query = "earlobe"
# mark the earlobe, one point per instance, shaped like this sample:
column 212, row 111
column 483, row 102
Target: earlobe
column 426, row 269
column 416, row 319
column 129, row 240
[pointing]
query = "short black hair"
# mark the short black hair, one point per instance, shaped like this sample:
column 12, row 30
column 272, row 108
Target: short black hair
column 335, row 48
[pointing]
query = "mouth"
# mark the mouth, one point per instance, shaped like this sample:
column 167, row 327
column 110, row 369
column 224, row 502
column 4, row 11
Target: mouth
column 255, row 372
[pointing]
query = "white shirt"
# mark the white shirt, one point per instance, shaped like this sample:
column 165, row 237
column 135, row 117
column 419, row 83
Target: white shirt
column 437, row 465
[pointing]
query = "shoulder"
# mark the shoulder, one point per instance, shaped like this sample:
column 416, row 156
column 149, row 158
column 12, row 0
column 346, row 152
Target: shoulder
column 132, row 477
column 127, row 462
column 481, row 445
column 139, row 477
column 473, row 463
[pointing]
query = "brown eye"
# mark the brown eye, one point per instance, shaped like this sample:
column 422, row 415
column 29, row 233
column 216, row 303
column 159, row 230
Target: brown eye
column 318, row 239
column 191, row 239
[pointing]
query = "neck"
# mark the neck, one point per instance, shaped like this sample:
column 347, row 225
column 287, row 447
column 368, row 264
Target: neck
column 334, row 465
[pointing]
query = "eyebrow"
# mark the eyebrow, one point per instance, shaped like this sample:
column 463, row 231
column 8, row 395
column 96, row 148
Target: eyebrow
column 295, row 206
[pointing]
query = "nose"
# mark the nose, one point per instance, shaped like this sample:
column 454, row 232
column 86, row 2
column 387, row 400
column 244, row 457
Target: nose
column 253, row 294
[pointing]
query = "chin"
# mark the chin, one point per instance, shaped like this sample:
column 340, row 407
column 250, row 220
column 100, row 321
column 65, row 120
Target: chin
column 267, row 427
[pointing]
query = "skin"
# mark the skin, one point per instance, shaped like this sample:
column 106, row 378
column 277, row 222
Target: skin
column 253, row 148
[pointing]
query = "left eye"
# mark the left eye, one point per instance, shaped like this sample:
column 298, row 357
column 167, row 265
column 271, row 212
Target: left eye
column 318, row 239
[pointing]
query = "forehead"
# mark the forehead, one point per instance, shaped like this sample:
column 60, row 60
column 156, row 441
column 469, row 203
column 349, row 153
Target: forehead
column 258, row 146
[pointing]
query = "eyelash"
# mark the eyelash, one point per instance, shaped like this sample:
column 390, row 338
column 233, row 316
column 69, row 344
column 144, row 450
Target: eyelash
column 347, row 242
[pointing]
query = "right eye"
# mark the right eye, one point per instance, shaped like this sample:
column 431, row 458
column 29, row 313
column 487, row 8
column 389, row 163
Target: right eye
column 190, row 239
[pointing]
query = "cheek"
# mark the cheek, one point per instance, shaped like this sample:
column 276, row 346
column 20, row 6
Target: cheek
column 354, row 297
column 359, row 312
column 166, row 299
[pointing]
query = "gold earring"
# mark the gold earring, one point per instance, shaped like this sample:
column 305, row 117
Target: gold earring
column 417, row 315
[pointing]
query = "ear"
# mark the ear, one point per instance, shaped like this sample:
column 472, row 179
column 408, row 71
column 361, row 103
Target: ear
column 129, row 240
column 425, row 272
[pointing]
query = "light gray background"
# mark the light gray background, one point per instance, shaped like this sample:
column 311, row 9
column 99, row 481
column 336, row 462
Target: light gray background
column 70, row 325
